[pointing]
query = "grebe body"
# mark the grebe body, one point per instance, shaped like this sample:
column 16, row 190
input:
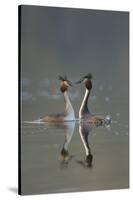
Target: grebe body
column 68, row 114
column 84, row 112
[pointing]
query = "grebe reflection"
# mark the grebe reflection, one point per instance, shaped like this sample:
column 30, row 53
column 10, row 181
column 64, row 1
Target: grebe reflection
column 84, row 131
column 65, row 157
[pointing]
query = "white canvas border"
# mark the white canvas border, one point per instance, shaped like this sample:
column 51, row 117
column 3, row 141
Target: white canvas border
column 9, row 102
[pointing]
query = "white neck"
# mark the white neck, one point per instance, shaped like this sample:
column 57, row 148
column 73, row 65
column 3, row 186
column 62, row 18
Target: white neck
column 69, row 133
column 83, row 140
column 68, row 108
column 84, row 109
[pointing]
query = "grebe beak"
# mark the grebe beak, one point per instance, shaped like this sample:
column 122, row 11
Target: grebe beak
column 70, row 83
column 80, row 81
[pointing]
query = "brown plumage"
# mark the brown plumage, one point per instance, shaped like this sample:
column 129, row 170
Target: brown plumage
column 97, row 120
column 68, row 114
column 88, row 84
column 84, row 112
column 54, row 118
column 63, row 87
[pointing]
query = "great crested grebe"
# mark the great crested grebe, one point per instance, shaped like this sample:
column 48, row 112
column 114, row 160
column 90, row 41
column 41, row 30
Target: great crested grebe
column 84, row 131
column 68, row 114
column 84, row 112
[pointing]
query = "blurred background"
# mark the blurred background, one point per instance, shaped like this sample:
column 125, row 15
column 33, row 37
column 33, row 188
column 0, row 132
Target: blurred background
column 58, row 41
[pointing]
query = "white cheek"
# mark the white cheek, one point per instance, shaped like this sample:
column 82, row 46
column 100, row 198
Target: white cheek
column 66, row 83
column 85, row 80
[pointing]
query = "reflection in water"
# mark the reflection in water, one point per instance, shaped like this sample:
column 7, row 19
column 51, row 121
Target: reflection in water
column 68, row 128
column 84, row 130
column 65, row 157
column 48, row 164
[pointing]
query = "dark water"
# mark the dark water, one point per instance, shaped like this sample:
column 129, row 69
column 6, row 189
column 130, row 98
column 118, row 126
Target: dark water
column 45, row 169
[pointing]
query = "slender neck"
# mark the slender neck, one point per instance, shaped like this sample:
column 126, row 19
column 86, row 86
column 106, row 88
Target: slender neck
column 69, row 134
column 68, row 105
column 69, row 111
column 84, row 138
column 84, row 108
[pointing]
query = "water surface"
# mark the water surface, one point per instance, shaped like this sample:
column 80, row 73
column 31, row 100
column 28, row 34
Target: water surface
column 45, row 169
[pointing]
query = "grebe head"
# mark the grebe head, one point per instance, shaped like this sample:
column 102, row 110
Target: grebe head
column 87, row 81
column 64, row 84
column 89, row 160
column 64, row 155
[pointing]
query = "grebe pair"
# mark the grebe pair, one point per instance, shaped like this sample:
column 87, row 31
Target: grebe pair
column 84, row 112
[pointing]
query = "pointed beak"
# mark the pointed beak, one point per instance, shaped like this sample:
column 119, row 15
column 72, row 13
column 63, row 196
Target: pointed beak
column 78, row 82
column 70, row 83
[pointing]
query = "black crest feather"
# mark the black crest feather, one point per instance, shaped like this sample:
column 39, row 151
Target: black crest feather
column 63, row 78
column 89, row 76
